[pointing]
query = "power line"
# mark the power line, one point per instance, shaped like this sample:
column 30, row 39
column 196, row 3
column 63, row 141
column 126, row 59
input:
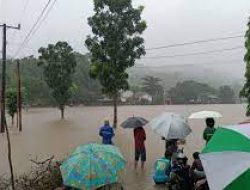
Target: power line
column 33, row 28
column 195, row 53
column 195, row 42
column 45, row 16
column 140, row 66
column 18, row 44
column 12, row 38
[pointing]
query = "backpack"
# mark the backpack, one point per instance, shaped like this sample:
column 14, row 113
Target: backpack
column 161, row 168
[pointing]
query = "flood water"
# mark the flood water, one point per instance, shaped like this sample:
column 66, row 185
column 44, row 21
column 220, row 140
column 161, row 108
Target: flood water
column 44, row 134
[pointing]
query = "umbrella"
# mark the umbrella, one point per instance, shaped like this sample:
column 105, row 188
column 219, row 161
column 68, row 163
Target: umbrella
column 91, row 166
column 134, row 122
column 226, row 158
column 205, row 114
column 170, row 126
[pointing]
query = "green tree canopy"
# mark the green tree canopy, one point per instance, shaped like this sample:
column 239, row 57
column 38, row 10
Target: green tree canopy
column 189, row 92
column 226, row 94
column 152, row 85
column 115, row 44
column 58, row 62
column 246, row 89
column 38, row 93
column 11, row 102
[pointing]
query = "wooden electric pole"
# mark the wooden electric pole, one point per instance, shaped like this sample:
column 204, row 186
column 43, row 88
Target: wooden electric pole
column 19, row 98
column 5, row 27
column 4, row 126
column 3, row 80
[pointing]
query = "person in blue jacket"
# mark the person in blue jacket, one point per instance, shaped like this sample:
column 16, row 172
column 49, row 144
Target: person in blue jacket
column 162, row 168
column 107, row 133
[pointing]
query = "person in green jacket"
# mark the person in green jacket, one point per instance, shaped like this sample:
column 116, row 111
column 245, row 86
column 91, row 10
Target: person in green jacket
column 210, row 129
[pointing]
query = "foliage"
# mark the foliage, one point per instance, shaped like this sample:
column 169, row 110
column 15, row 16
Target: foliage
column 43, row 175
column 37, row 93
column 58, row 62
column 226, row 94
column 134, row 88
column 11, row 102
column 246, row 89
column 190, row 92
column 115, row 45
column 152, row 85
column 89, row 90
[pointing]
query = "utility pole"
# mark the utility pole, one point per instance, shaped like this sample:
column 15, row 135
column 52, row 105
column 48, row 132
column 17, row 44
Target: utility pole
column 19, row 97
column 3, row 80
column 3, row 119
column 5, row 27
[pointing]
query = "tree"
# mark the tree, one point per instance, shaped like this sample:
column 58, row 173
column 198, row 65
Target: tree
column 38, row 92
column 190, row 92
column 89, row 90
column 73, row 90
column 245, row 92
column 152, row 86
column 58, row 62
column 11, row 103
column 226, row 94
column 115, row 44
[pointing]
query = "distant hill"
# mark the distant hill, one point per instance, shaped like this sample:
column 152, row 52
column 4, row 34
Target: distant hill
column 172, row 74
column 90, row 90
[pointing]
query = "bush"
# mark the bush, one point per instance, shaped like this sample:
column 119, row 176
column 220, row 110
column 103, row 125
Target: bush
column 43, row 175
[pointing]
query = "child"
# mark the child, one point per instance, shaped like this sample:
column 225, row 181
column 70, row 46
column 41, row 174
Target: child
column 162, row 169
column 186, row 183
column 180, row 173
column 197, row 171
column 171, row 145
column 210, row 129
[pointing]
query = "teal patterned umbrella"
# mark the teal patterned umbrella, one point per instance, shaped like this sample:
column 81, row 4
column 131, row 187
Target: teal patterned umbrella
column 91, row 166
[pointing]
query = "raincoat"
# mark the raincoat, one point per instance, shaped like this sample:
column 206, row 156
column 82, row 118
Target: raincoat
column 208, row 133
column 161, row 170
column 107, row 133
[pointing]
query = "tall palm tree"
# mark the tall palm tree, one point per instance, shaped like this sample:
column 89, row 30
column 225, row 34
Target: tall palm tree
column 152, row 85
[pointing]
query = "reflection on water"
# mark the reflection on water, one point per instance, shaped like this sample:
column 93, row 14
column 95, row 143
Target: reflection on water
column 45, row 135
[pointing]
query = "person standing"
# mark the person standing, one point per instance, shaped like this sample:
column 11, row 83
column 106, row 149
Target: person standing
column 197, row 171
column 171, row 145
column 210, row 129
column 140, row 150
column 107, row 133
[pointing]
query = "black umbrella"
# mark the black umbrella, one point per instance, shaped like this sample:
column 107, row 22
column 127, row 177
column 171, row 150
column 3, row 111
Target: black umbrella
column 134, row 122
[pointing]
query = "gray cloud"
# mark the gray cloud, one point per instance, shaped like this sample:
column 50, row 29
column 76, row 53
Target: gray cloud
column 169, row 21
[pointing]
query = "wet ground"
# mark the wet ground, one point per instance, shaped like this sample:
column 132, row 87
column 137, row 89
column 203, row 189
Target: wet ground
column 44, row 134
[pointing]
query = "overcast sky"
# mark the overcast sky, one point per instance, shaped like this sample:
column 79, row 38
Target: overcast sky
column 169, row 22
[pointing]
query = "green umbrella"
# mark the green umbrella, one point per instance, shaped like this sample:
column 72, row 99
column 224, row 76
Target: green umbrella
column 91, row 166
column 226, row 158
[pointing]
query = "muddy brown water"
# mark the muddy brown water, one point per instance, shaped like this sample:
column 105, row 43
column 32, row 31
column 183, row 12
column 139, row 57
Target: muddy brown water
column 44, row 134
